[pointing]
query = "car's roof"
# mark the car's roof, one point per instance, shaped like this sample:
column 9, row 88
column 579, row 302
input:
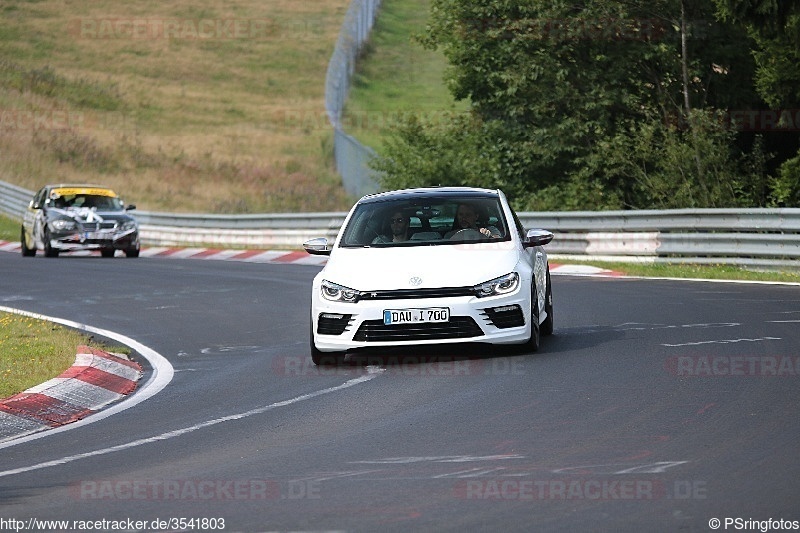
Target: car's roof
column 75, row 185
column 85, row 188
column 430, row 192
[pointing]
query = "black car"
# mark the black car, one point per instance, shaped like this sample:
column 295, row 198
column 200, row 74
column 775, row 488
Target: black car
column 78, row 217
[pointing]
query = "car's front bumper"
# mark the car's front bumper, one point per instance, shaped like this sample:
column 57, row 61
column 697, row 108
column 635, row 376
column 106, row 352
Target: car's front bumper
column 501, row 319
column 95, row 240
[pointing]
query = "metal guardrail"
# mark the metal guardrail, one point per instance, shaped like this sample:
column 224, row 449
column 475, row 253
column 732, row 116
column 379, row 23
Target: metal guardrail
column 756, row 219
column 14, row 200
column 350, row 155
column 768, row 238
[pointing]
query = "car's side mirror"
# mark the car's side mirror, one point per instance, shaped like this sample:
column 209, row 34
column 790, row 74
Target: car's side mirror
column 34, row 205
column 318, row 246
column 537, row 237
column 130, row 207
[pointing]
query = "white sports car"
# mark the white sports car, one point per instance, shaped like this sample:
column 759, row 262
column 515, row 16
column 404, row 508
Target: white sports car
column 430, row 266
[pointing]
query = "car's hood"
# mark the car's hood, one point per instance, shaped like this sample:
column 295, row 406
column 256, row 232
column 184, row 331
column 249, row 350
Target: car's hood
column 90, row 215
column 435, row 266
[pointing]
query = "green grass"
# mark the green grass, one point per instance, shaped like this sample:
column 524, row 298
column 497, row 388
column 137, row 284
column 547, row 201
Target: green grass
column 692, row 271
column 173, row 123
column 397, row 76
column 9, row 229
column 33, row 351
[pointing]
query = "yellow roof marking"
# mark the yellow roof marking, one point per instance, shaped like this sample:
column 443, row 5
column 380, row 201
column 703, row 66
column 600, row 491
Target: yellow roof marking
column 69, row 191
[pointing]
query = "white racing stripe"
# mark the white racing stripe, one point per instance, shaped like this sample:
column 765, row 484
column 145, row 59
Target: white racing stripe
column 373, row 372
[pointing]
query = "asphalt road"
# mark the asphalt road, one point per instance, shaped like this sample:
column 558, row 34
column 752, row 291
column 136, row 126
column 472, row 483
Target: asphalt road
column 656, row 406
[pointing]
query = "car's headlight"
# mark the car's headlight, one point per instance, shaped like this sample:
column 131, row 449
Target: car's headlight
column 502, row 285
column 62, row 225
column 338, row 293
column 129, row 225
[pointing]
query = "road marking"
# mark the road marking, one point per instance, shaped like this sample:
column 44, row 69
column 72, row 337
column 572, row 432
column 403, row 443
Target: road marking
column 636, row 326
column 373, row 373
column 471, row 472
column 160, row 378
column 783, row 321
column 650, row 468
column 723, row 341
column 336, row 475
column 640, row 326
column 396, row 468
column 438, row 459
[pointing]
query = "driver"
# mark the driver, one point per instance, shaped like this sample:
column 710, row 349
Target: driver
column 467, row 218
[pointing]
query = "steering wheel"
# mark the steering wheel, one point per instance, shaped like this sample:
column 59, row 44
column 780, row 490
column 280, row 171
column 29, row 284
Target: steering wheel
column 467, row 234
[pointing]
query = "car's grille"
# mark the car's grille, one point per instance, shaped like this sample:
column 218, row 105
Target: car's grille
column 333, row 324
column 95, row 226
column 440, row 292
column 459, row 327
column 509, row 316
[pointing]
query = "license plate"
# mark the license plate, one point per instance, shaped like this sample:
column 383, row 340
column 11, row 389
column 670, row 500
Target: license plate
column 416, row 316
column 101, row 234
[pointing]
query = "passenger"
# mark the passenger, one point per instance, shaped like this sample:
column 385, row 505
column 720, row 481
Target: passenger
column 468, row 217
column 398, row 226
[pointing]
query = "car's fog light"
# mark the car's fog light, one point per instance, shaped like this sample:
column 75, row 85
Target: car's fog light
column 505, row 316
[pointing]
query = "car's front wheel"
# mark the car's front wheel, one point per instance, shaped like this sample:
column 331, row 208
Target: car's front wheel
column 547, row 325
column 533, row 343
column 132, row 252
column 108, row 252
column 49, row 251
column 23, row 241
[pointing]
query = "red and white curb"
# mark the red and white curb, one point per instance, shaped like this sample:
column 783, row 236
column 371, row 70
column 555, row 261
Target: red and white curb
column 249, row 256
column 287, row 257
column 96, row 379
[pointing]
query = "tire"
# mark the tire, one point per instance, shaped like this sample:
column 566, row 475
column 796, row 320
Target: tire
column 132, row 252
column 322, row 358
column 107, row 252
column 49, row 251
column 533, row 343
column 547, row 325
column 26, row 252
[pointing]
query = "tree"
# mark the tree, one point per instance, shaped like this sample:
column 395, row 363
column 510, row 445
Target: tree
column 774, row 25
column 554, row 85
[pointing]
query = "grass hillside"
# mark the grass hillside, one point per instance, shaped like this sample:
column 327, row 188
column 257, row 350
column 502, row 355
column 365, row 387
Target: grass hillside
column 198, row 106
column 397, row 76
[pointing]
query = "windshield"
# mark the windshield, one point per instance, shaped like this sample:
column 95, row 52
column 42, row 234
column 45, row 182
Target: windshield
column 77, row 201
column 425, row 222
